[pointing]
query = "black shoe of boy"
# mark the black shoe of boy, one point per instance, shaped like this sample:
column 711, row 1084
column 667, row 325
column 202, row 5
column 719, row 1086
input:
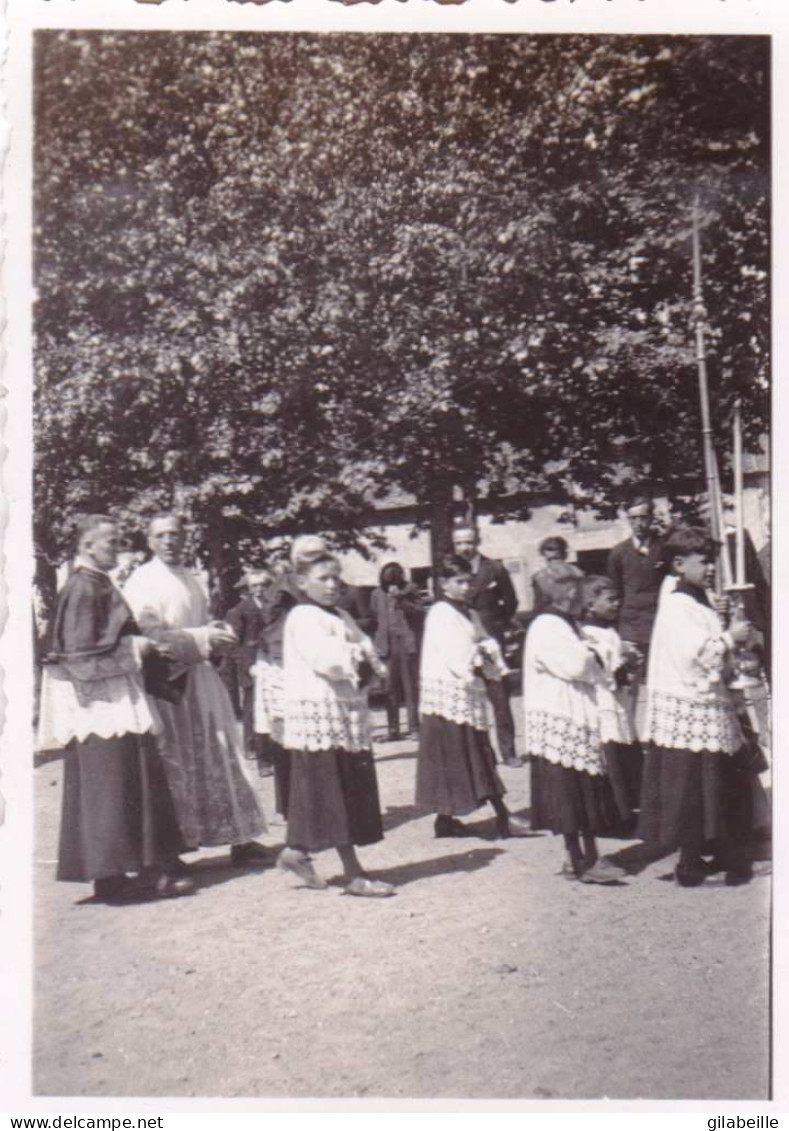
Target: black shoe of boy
column 111, row 888
column 444, row 826
column 250, row 853
column 690, row 875
column 742, row 874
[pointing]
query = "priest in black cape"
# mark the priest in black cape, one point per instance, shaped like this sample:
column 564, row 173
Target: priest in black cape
column 117, row 815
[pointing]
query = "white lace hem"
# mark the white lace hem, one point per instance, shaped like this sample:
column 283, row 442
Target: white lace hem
column 462, row 703
column 614, row 719
column 687, row 724
column 107, row 708
column 269, row 699
column 566, row 743
column 326, row 724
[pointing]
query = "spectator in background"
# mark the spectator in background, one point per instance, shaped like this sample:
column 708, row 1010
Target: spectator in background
column 355, row 600
column 635, row 567
column 493, row 597
column 397, row 614
column 553, row 549
column 247, row 621
column 131, row 553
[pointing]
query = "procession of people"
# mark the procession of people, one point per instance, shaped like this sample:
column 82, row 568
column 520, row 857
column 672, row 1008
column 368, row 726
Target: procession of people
column 631, row 726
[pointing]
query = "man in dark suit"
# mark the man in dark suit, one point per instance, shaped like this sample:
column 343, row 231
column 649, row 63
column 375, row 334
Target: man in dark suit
column 635, row 568
column 493, row 597
column 248, row 621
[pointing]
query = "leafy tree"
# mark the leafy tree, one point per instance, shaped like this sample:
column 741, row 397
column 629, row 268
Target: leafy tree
column 280, row 275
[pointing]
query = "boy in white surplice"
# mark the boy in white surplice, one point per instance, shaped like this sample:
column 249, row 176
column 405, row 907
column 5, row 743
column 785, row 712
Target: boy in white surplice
column 333, row 790
column 571, row 793
column 456, row 771
column 692, row 730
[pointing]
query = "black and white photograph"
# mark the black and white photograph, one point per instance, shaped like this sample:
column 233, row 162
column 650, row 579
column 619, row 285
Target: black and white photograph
column 400, row 574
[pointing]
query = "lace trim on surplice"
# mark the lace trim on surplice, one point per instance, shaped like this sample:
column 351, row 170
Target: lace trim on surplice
column 108, row 708
column 269, row 699
column 325, row 724
column 564, row 742
column 452, row 699
column 688, row 724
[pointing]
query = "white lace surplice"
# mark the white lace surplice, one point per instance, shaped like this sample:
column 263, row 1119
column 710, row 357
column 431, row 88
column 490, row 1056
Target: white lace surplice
column 448, row 684
column 560, row 675
column 202, row 746
column 101, row 695
column 689, row 706
column 613, row 703
column 324, row 706
column 268, row 703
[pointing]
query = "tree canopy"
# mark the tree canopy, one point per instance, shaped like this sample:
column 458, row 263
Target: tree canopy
column 279, row 275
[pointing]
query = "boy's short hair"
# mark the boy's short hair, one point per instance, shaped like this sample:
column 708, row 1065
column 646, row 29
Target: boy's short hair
column 554, row 542
column 454, row 566
column 685, row 540
column 640, row 505
column 85, row 525
column 595, row 585
column 558, row 579
column 166, row 516
column 304, row 564
column 463, row 526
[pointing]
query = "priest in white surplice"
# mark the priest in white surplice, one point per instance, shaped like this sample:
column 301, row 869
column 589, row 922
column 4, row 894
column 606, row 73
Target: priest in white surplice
column 202, row 744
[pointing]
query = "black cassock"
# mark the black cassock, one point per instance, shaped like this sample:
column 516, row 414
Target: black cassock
column 117, row 813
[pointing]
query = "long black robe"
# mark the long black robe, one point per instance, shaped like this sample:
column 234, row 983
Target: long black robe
column 117, row 813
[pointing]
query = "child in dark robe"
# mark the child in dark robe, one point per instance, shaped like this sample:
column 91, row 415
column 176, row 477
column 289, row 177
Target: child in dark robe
column 571, row 793
column 621, row 661
column 456, row 771
column 693, row 736
column 333, row 791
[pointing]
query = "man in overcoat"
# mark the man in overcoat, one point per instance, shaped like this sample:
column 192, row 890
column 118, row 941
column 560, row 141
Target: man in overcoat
column 635, row 568
column 493, row 597
column 248, row 621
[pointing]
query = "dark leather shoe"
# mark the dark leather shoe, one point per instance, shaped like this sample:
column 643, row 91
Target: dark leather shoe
column 251, row 853
column 740, row 875
column 444, row 826
column 712, row 867
column 689, row 876
column 114, row 887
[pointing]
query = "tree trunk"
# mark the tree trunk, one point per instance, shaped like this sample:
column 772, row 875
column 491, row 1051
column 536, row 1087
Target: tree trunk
column 441, row 507
column 45, row 581
column 223, row 567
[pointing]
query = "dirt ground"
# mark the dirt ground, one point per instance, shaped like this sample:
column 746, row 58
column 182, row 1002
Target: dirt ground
column 487, row 974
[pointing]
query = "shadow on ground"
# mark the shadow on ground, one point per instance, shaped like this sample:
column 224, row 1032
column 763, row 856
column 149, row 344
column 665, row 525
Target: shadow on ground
column 471, row 861
column 44, row 757
column 636, row 857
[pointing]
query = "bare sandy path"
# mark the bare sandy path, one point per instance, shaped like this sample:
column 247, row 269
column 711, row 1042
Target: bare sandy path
column 487, row 975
